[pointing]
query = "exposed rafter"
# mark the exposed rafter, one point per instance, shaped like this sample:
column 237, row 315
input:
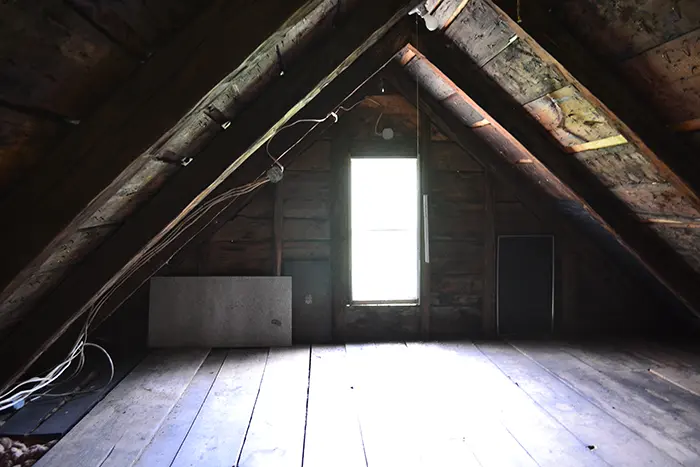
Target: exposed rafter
column 113, row 144
column 593, row 79
column 497, row 106
column 248, row 132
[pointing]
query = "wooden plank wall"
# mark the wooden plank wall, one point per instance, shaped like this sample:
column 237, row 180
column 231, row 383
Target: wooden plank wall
column 593, row 293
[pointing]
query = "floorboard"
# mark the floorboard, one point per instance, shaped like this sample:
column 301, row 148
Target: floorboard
column 546, row 440
column 276, row 434
column 613, row 442
column 116, row 431
column 167, row 442
column 387, row 405
column 333, row 434
column 218, row 432
column 457, row 404
column 486, row 404
column 646, row 414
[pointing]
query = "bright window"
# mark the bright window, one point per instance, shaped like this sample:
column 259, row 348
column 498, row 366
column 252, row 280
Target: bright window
column 384, row 230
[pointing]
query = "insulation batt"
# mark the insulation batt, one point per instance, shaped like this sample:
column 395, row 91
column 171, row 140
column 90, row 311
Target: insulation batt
column 14, row 453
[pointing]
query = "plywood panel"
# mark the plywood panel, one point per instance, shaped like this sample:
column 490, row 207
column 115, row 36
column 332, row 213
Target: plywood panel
column 220, row 311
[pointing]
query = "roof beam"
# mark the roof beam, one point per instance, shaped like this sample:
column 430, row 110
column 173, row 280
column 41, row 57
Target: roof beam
column 537, row 193
column 249, row 131
column 496, row 105
column 554, row 45
column 113, row 144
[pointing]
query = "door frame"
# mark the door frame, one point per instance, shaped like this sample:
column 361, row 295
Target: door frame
column 498, row 277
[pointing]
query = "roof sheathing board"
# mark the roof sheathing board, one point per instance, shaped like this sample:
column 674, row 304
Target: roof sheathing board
column 572, row 120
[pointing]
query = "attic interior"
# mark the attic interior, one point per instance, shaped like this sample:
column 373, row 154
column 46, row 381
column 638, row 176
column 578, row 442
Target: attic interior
column 350, row 233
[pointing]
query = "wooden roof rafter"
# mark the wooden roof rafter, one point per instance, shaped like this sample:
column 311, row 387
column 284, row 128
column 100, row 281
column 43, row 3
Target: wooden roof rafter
column 604, row 89
column 513, row 121
column 166, row 112
column 367, row 26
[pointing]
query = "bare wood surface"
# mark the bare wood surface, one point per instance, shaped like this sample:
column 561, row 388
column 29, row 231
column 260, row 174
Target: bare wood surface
column 652, row 417
column 190, row 187
column 614, row 442
column 275, row 436
column 333, row 435
column 489, row 99
column 118, row 429
column 172, row 433
column 217, row 435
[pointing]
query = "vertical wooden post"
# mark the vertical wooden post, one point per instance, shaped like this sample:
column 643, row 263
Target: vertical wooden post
column 278, row 227
column 566, row 314
column 340, row 228
column 424, row 125
column 489, row 317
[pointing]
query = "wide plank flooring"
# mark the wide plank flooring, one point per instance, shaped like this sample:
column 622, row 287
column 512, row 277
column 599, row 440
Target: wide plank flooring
column 399, row 404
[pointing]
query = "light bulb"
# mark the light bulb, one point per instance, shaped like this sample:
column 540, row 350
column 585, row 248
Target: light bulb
column 431, row 23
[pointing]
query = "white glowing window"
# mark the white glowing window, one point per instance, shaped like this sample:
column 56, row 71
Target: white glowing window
column 384, row 229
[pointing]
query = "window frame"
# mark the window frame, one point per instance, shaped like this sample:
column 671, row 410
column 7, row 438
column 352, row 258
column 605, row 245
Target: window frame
column 385, row 150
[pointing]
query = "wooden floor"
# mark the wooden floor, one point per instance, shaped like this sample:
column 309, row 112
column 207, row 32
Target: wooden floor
column 404, row 404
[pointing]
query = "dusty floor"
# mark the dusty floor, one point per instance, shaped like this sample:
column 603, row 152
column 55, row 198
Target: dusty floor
column 403, row 404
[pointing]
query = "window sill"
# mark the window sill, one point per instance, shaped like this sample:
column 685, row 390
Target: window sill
column 381, row 304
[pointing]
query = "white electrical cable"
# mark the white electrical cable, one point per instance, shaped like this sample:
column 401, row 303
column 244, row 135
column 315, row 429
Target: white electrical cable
column 13, row 396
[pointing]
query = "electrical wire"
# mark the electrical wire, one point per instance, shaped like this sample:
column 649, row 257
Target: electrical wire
column 13, row 396
column 89, row 391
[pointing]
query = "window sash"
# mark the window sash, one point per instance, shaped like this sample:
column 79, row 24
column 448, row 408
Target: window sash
column 387, row 234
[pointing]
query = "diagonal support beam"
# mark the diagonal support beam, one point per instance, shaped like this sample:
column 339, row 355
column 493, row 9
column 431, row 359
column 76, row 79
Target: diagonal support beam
column 80, row 175
column 280, row 102
column 543, row 32
column 489, row 99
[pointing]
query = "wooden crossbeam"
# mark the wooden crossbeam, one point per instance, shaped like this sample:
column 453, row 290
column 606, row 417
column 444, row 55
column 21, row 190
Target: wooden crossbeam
column 78, row 176
column 554, row 44
column 248, row 132
column 496, row 105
